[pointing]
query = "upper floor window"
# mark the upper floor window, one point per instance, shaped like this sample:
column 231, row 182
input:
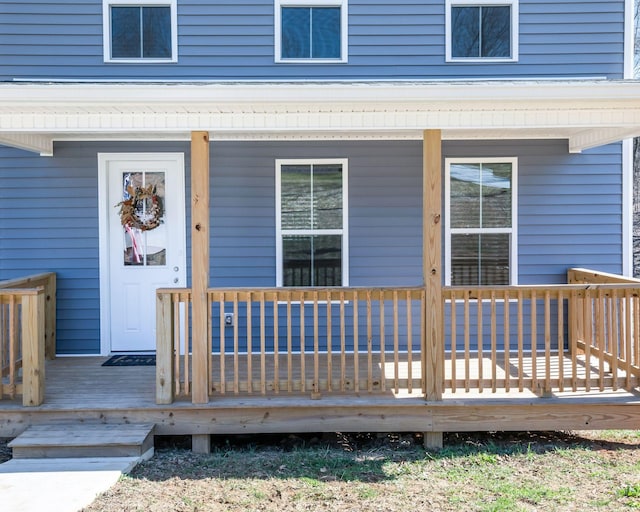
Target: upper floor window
column 311, row 30
column 311, row 223
column 485, row 30
column 480, row 224
column 140, row 31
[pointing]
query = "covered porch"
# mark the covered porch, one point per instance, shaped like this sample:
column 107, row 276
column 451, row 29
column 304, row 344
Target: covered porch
column 429, row 357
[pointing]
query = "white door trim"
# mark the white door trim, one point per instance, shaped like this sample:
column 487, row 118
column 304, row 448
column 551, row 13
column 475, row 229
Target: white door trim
column 103, row 229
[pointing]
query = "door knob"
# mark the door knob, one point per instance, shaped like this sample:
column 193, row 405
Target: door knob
column 176, row 280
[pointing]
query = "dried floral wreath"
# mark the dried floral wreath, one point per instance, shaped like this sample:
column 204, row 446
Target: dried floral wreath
column 130, row 208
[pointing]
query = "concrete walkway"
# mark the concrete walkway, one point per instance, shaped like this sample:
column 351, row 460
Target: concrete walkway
column 58, row 485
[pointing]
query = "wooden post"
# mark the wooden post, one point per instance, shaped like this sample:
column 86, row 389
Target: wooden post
column 165, row 348
column 33, row 348
column 50, row 317
column 433, row 337
column 200, row 238
column 201, row 443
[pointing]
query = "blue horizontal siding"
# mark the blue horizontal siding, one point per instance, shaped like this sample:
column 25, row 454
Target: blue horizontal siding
column 49, row 217
column 235, row 40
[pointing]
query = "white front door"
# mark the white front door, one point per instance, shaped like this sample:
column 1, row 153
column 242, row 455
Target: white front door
column 145, row 245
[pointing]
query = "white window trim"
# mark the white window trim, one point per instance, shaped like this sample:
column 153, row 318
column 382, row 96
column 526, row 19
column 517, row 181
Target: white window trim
column 344, row 162
column 106, row 29
column 344, row 29
column 513, row 231
column 515, row 29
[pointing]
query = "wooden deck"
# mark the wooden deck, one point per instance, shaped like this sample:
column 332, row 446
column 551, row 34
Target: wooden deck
column 79, row 389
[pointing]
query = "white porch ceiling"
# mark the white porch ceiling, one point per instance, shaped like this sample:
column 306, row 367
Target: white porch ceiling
column 587, row 113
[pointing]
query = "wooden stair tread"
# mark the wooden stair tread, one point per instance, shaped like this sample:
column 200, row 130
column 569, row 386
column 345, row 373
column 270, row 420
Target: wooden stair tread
column 83, row 440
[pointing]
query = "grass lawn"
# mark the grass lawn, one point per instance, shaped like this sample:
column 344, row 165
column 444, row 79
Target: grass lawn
column 565, row 471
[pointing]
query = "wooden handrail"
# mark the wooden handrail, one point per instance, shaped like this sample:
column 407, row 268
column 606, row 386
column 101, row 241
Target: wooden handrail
column 22, row 343
column 47, row 280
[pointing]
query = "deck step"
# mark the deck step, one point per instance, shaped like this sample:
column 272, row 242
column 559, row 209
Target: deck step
column 84, row 440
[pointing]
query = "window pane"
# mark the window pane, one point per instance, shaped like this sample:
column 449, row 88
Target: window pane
column 125, row 33
column 465, row 195
column 296, row 30
column 327, row 196
column 465, row 31
column 296, row 196
column 496, row 195
column 157, row 32
column 480, row 259
column 496, row 31
column 145, row 247
column 325, row 33
column 312, row 260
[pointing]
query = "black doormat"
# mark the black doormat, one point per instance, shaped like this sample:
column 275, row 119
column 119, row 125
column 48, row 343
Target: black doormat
column 131, row 360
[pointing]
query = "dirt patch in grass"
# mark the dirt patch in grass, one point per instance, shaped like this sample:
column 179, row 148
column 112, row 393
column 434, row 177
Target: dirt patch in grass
column 565, row 471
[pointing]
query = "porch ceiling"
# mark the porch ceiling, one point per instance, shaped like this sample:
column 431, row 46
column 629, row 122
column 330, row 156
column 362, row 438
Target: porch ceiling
column 587, row 113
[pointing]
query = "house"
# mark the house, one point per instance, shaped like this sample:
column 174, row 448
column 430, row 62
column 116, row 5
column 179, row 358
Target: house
column 376, row 206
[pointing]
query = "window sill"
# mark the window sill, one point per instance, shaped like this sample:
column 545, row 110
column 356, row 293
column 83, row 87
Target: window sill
column 140, row 61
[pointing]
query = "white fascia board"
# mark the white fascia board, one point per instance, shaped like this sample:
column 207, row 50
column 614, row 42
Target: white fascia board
column 156, row 95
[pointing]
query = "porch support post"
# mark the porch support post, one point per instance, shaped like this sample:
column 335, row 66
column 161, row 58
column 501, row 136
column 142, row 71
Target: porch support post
column 433, row 335
column 33, row 326
column 200, row 238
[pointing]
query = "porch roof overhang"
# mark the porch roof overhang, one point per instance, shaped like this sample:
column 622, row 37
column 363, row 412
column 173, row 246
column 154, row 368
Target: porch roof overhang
column 587, row 113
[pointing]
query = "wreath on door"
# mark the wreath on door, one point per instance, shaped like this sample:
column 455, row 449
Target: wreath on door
column 131, row 210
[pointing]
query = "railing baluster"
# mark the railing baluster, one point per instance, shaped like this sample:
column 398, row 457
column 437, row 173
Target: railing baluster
column 396, row 346
column 383, row 377
column 601, row 314
column 369, row 344
column 249, row 338
column 494, row 344
column 547, row 342
column 520, row 341
column 276, row 345
column 343, row 344
column 467, row 342
column 223, row 381
column 480, row 343
column 616, row 337
column 454, row 335
column 303, row 373
column 356, row 369
column 263, row 347
column 588, row 336
column 560, row 341
column 329, row 297
column 627, row 338
column 507, row 341
column 186, row 298
column 534, row 341
column 410, row 340
column 289, row 345
column 236, row 345
column 316, row 346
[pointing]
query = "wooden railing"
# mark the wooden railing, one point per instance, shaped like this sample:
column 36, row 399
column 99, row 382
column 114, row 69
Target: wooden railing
column 579, row 337
column 27, row 334
column 544, row 339
column 292, row 341
column 607, row 326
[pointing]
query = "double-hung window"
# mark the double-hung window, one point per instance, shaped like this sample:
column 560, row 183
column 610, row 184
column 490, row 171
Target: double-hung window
column 482, row 30
column 136, row 31
column 311, row 31
column 480, row 223
column 311, row 223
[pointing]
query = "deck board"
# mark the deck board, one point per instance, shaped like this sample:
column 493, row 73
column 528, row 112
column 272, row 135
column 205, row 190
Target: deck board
column 79, row 389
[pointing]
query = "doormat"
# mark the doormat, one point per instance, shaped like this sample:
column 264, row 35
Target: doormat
column 131, row 360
